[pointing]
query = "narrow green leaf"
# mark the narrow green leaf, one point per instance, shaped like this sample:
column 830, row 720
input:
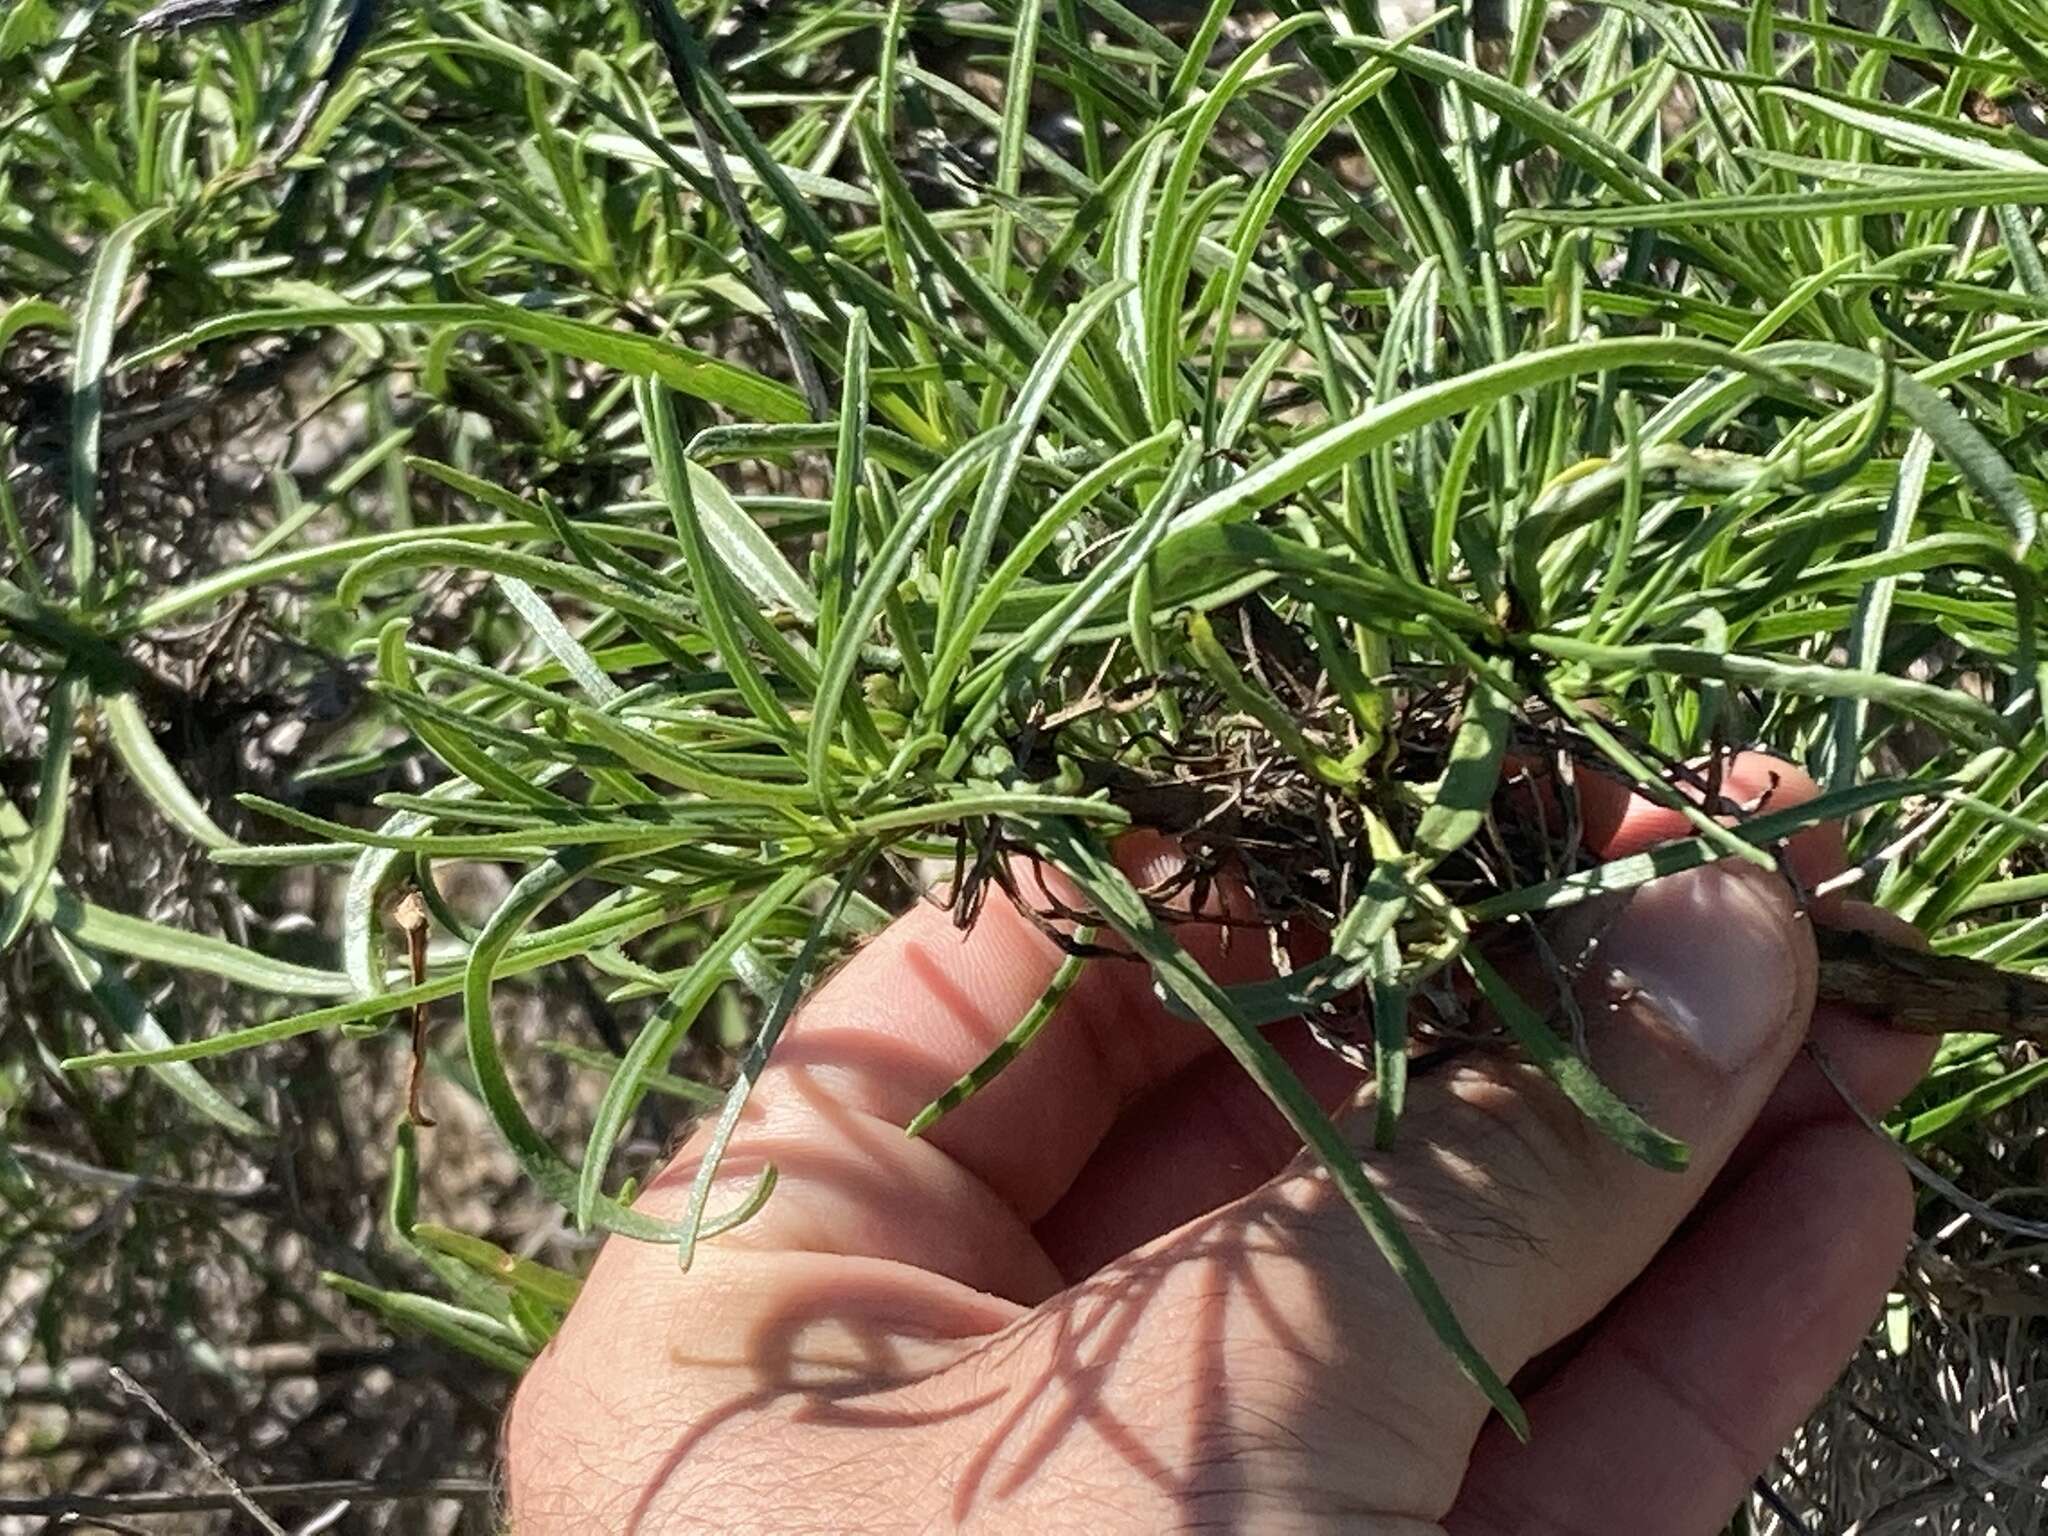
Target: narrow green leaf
column 1873, row 613
column 1574, row 1076
column 242, row 577
column 536, row 1156
column 604, row 925
column 546, row 1285
column 1956, row 190
column 1011, row 1046
column 1125, row 909
column 752, row 1065
column 93, row 345
column 977, row 539
column 983, row 606
column 685, row 371
column 935, row 497
column 717, row 603
column 1676, row 857
column 1942, row 705
column 657, row 1082
column 1464, row 798
column 1326, row 451
column 660, row 1036
column 847, row 471
column 562, row 645
column 474, row 1333
column 747, row 550
column 135, row 745
column 1971, row 1106
column 1906, row 133
column 129, row 1022
column 37, row 861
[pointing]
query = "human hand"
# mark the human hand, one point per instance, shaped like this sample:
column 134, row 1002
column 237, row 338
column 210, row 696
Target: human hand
column 1109, row 1294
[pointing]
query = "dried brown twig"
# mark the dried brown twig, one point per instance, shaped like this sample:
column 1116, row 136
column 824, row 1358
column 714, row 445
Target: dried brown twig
column 410, row 914
column 1929, row 993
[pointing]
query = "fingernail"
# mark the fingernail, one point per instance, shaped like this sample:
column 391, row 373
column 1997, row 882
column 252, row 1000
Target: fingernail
column 1149, row 858
column 1711, row 954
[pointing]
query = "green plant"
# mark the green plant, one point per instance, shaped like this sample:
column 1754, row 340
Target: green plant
column 1257, row 445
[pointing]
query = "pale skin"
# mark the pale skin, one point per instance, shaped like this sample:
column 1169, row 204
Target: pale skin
column 1109, row 1295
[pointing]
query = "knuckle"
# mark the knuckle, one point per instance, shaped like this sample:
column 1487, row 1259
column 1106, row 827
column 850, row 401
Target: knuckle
column 1506, row 1140
column 567, row 1464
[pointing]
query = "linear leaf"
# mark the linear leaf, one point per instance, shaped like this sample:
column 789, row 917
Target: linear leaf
column 685, row 371
column 92, row 346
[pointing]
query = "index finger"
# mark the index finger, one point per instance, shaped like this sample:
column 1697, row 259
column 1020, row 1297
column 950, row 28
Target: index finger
column 918, row 1006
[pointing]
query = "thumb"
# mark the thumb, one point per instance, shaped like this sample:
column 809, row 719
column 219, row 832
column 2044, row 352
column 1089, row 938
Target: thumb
column 1693, row 996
